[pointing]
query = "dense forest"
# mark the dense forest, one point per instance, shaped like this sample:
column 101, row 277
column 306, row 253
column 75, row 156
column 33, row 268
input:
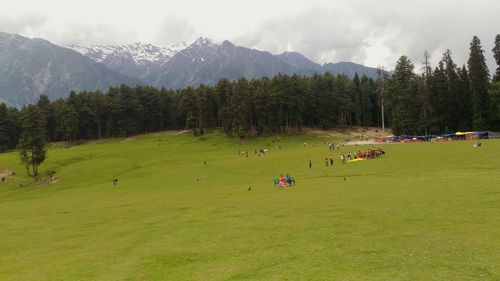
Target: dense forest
column 446, row 98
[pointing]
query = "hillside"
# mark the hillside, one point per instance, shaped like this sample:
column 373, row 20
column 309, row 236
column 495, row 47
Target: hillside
column 196, row 208
column 31, row 67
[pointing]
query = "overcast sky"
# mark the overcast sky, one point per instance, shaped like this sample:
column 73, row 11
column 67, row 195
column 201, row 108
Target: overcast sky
column 363, row 31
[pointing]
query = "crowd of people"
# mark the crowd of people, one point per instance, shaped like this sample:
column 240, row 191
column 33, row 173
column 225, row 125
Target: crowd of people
column 283, row 181
column 370, row 153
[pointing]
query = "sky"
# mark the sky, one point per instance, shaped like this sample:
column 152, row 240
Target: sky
column 373, row 33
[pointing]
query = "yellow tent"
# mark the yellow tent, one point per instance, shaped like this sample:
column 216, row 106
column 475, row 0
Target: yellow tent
column 463, row 133
column 357, row 159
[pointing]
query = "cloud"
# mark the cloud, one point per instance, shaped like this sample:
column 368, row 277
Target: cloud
column 64, row 33
column 26, row 24
column 364, row 31
column 173, row 30
column 88, row 34
column 376, row 33
column 321, row 34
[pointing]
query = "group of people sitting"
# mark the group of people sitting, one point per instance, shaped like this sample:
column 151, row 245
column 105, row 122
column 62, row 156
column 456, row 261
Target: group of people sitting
column 370, row 153
column 284, row 181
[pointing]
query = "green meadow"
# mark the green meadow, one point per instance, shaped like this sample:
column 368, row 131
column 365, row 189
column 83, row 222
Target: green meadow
column 424, row 211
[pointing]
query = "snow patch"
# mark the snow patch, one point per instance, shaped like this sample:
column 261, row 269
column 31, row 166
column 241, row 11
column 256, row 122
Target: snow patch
column 140, row 53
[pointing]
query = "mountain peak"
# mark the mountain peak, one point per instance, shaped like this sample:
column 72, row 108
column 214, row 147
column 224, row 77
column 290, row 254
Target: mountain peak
column 227, row 43
column 202, row 42
column 292, row 54
column 299, row 60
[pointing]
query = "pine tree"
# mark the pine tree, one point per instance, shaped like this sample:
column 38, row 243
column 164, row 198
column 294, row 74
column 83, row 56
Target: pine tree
column 464, row 99
column 367, row 90
column 479, row 77
column 4, row 137
column 356, row 101
column 100, row 113
column 68, row 122
column 454, row 106
column 402, row 98
column 343, row 91
column 33, row 138
column 189, row 110
column 495, row 88
column 424, row 95
column 325, row 109
column 495, row 105
column 496, row 55
column 439, row 99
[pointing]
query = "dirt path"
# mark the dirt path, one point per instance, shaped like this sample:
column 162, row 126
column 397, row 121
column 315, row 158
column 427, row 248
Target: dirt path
column 182, row 132
column 365, row 133
column 370, row 141
column 4, row 173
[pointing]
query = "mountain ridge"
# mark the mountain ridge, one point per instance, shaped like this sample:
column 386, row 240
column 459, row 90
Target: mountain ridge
column 31, row 67
column 205, row 62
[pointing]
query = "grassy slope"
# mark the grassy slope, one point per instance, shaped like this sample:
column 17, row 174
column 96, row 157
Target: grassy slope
column 425, row 211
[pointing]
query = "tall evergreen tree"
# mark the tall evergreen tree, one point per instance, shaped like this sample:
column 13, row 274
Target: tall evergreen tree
column 68, row 122
column 495, row 105
column 367, row 90
column 45, row 105
column 343, row 92
column 454, row 105
column 189, row 110
column 495, row 88
column 465, row 99
column 496, row 55
column 402, row 98
column 33, row 138
column 479, row 78
column 4, row 135
column 439, row 99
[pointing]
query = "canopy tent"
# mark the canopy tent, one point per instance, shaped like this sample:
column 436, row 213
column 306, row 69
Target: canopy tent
column 448, row 136
column 482, row 134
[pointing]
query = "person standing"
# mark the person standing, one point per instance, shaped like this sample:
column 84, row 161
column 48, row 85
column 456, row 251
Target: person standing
column 310, row 164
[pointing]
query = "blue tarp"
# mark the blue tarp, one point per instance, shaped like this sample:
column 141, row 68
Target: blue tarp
column 482, row 133
column 427, row 137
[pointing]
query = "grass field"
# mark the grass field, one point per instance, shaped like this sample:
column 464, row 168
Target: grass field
column 426, row 211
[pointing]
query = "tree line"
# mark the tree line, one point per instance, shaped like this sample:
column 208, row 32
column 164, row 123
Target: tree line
column 446, row 98
column 282, row 104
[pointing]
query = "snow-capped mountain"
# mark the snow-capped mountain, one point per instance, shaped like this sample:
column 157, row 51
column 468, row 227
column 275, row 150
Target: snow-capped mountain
column 30, row 67
column 139, row 52
column 204, row 61
column 136, row 60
